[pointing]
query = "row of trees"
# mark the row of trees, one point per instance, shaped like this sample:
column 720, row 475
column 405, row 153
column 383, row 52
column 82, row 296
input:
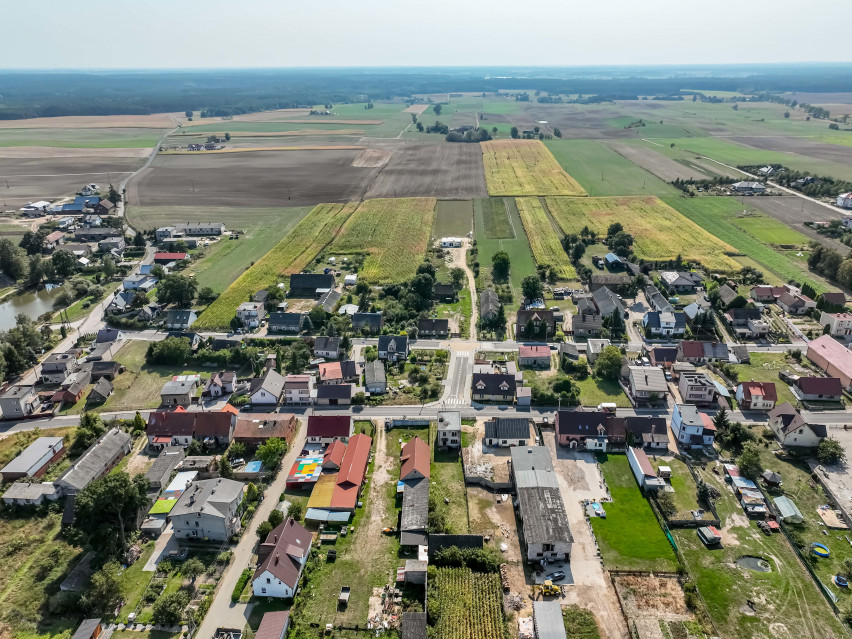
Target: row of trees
column 831, row 264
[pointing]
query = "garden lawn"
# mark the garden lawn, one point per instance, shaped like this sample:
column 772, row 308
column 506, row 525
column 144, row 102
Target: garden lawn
column 135, row 581
column 594, row 391
column 602, row 171
column 447, row 482
column 685, row 495
column 630, row 538
column 764, row 367
column 525, row 167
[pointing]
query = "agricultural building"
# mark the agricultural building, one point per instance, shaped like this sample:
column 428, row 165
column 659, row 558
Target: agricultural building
column 97, row 461
column 547, row 617
column 643, row 471
column 305, row 472
column 832, row 357
column 35, row 459
column 788, row 510
column 414, row 460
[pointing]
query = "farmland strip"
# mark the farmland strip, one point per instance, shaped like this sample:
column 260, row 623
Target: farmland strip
column 544, row 241
column 525, row 167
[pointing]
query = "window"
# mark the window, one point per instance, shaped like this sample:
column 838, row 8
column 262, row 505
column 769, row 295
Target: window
column 268, row 580
column 547, row 547
column 263, row 590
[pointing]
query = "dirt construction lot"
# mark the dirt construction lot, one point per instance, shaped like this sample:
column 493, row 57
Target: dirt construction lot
column 443, row 170
column 32, row 179
column 264, row 178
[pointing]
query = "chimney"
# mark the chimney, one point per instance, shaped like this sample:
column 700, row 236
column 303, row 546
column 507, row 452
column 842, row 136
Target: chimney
column 276, row 558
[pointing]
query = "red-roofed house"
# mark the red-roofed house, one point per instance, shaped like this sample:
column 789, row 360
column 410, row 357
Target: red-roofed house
column 333, row 456
column 414, row 460
column 353, row 469
column 690, row 351
column 168, row 258
column 831, row 357
column 282, row 557
column 273, row 625
column 756, row 396
column 766, row 294
column 324, row 429
column 534, row 357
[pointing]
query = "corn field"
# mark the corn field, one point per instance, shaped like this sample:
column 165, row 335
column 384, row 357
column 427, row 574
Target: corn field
column 525, row 167
column 290, row 255
column 466, row 605
column 544, row 239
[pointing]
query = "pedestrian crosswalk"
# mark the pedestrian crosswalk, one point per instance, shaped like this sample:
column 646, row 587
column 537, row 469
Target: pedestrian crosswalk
column 455, row 401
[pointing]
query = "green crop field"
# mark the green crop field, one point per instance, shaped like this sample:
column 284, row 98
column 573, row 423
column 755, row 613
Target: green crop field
column 659, row 231
column 517, row 247
column 290, row 255
column 496, row 221
column 106, row 138
column 770, row 230
column 602, row 171
column 453, row 218
column 394, row 233
column 715, row 215
column 545, row 241
column 630, row 538
column 525, row 167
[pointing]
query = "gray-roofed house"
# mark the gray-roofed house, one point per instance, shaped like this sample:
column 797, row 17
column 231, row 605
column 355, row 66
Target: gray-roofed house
column 208, row 510
column 444, row 293
column 414, row 518
column 329, row 300
column 647, row 381
column 680, row 281
column 449, row 429
column 180, row 319
column 267, row 389
column 57, row 366
column 433, row 327
column 656, row 299
column 547, row 534
column 489, row 305
column 23, row 493
column 413, row 625
column 504, row 432
column 727, row 294
column 19, row 401
column 608, row 303
column 375, row 379
column 367, row 322
column 100, row 393
column 327, row 347
column 494, row 387
column 179, row 392
column 393, row 348
column 611, row 281
column 334, row 394
column 543, row 323
column 95, row 462
column 35, row 459
column 310, row 284
column 88, row 629
column 587, row 321
column 160, row 472
column 286, row 322
column 665, row 323
column 792, row 431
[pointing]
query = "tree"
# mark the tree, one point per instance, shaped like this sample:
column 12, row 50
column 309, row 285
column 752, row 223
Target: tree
column 318, row 316
column 195, row 448
column 437, row 109
column 192, row 568
column 557, row 132
column 177, row 289
column 420, row 127
column 276, row 517
column 108, row 267
column 271, row 452
column 113, row 195
column 749, row 461
column 13, row 260
column 105, row 592
column 32, row 242
column 109, row 505
column 172, row 351
column 168, row 609
column 236, row 450
column 64, row 263
column 500, row 264
column 295, row 510
column 227, row 137
column 188, row 114
column 830, row 451
column 457, row 275
column 206, row 295
column 139, row 240
column 514, row 133
column 138, row 422
column 721, row 421
column 786, row 114
column 263, row 529
column 608, row 364
column 532, row 288
column 225, row 469
column 666, row 503
column 251, row 492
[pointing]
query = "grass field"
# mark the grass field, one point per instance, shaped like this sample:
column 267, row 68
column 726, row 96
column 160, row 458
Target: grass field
column 394, row 233
column 764, row 367
column 518, row 247
column 117, row 138
column 716, row 215
column 545, row 241
column 770, row 230
column 496, row 221
column 659, row 231
column 601, row 171
column 290, row 255
column 595, row 391
column 630, row 538
column 453, row 218
column 447, row 481
column 525, row 167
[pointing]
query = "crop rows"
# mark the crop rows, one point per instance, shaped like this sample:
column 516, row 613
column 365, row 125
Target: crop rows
column 525, row 167
column 393, row 233
column 290, row 255
column 544, row 241
column 659, row 231
column 466, row 605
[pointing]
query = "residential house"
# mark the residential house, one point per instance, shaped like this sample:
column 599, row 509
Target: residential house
column 170, row 428
column 414, row 460
column 451, row 242
column 208, row 510
column 833, row 300
column 19, row 401
column 534, row 357
column 748, row 187
column 449, row 429
column 100, row 392
column 393, row 348
column 542, row 322
column 691, row 427
column 696, row 352
column 311, row 285
column 433, row 327
column 286, row 322
column 214, row 428
column 489, row 305
column 756, row 395
column 324, row 429
column 609, row 303
column 375, row 380
column 35, row 459
column 829, row 355
column 680, row 281
column 612, row 281
column 546, row 531
column 180, row 319
column 338, row 372
column 445, row 293
column 747, row 323
column 194, row 338
column 587, row 321
column 180, row 391
column 594, row 348
column 504, row 432
column 844, row 200
column 367, row 322
column 664, row 356
column 109, row 335
column 53, row 240
column 604, row 431
column 494, row 387
column 643, row 471
column 93, row 235
column 696, row 388
column 267, row 390
column 766, row 294
column 647, row 382
column 98, row 459
column 219, row 384
column 73, row 392
column 656, row 300
column 102, row 369
column 665, row 324
column 299, row 389
column 839, row 324
column 114, row 243
column 327, row 347
column 120, row 303
column 727, row 294
column 817, row 389
column 281, row 559
column 249, row 314
column 792, row 431
column 92, row 220
column 160, row 473
column 57, row 366
column 169, row 258
column 329, row 300
column 795, row 304
column 254, row 429
column 23, row 493
column 334, row 394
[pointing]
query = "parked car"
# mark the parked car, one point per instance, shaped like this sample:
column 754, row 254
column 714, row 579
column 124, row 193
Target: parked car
column 556, row 575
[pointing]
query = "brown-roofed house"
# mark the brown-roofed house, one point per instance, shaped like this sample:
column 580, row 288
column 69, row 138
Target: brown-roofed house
column 817, row 389
column 353, row 469
column 414, row 460
column 255, row 428
column 282, row 557
column 791, row 430
column 273, row 625
column 324, row 429
column 333, row 456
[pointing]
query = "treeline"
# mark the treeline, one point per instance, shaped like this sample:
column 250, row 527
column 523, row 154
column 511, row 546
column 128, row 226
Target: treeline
column 20, row 346
column 831, row 264
column 802, row 181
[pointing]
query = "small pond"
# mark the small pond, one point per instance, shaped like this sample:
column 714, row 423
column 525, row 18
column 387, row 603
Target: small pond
column 758, row 564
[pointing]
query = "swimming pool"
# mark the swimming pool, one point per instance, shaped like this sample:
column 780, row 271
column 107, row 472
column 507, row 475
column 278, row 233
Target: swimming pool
column 253, row 467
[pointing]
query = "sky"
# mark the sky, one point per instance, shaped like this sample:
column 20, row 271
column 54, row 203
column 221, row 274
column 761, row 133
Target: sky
column 154, row 34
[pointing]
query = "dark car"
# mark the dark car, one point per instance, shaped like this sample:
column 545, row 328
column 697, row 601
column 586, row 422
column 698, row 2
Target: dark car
column 556, row 576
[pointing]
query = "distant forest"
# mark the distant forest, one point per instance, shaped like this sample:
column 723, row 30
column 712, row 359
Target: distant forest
column 30, row 94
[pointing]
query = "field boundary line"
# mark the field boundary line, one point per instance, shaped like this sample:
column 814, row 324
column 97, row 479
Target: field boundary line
column 511, row 223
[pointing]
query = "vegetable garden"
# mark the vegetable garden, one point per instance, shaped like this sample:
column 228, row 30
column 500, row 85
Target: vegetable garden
column 544, row 241
column 525, row 167
column 463, row 604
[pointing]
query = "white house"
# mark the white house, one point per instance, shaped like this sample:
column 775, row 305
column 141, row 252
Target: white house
column 791, row 430
column 250, row 313
column 756, row 395
column 267, row 389
column 839, row 324
column 451, row 242
column 844, row 201
column 642, row 469
column 327, row 347
column 281, row 558
column 299, row 389
column 692, row 428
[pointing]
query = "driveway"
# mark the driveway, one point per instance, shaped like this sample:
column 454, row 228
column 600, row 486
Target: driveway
column 579, row 479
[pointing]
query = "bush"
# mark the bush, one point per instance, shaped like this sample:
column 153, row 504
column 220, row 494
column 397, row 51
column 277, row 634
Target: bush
column 241, row 584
